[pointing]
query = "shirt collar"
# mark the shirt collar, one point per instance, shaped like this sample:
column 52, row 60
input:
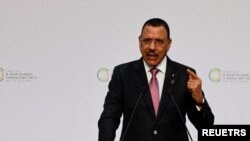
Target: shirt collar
column 161, row 66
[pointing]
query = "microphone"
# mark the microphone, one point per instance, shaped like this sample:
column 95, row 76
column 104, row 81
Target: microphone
column 178, row 109
column 133, row 112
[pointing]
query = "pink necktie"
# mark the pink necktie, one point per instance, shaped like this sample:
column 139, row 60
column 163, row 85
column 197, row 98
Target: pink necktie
column 154, row 89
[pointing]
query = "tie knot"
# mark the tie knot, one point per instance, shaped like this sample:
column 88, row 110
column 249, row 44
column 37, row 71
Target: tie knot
column 154, row 71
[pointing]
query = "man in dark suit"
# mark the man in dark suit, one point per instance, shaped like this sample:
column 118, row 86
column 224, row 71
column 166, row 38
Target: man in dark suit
column 147, row 117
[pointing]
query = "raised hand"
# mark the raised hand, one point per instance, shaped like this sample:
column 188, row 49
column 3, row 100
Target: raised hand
column 194, row 86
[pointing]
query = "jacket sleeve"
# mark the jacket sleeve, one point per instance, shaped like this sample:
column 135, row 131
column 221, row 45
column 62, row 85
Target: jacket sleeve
column 201, row 118
column 112, row 109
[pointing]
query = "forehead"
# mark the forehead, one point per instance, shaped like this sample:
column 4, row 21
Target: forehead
column 152, row 31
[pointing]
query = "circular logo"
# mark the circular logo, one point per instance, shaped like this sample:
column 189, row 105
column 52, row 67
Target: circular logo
column 103, row 74
column 215, row 75
column 1, row 74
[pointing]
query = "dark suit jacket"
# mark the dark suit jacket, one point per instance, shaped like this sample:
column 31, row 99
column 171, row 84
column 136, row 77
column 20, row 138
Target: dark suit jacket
column 128, row 82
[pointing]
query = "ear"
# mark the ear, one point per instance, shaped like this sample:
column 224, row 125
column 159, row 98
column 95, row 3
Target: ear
column 169, row 43
column 139, row 38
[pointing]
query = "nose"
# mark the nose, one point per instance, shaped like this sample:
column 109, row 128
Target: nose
column 152, row 45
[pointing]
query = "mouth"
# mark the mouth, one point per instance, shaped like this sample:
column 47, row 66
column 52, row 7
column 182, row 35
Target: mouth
column 152, row 55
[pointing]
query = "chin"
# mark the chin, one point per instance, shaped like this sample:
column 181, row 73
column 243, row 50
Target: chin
column 152, row 64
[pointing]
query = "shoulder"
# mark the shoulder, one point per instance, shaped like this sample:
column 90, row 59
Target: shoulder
column 179, row 66
column 129, row 65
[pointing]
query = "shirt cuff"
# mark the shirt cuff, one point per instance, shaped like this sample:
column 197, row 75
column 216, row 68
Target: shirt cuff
column 197, row 106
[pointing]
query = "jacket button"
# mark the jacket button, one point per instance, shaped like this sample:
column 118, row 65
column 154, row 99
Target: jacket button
column 155, row 132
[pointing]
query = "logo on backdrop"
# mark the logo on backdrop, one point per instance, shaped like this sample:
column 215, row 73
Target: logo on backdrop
column 215, row 75
column 103, row 75
column 1, row 74
column 16, row 76
column 228, row 76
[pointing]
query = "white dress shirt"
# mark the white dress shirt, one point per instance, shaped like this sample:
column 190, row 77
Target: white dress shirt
column 160, row 75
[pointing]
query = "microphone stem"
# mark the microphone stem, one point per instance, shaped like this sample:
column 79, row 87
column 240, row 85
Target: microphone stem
column 182, row 118
column 132, row 115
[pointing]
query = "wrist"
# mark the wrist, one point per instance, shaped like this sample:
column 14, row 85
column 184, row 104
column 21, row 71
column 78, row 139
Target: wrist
column 200, row 103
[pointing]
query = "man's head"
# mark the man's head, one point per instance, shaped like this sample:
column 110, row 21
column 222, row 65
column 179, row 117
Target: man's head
column 154, row 41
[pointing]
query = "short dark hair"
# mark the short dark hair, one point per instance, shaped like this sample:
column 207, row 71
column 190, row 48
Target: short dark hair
column 156, row 22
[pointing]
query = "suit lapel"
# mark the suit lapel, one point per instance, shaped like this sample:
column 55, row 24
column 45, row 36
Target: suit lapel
column 169, row 82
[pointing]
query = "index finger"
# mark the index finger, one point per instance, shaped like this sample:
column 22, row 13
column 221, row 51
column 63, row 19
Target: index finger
column 191, row 74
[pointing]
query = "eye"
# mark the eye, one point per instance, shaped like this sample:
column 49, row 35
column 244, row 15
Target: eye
column 147, row 40
column 159, row 41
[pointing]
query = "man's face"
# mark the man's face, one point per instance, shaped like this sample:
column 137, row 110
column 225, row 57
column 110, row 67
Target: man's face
column 154, row 44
